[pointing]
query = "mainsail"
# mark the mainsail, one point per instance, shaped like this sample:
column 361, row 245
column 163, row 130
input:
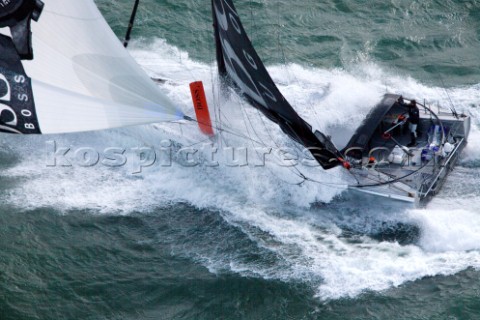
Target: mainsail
column 238, row 60
column 82, row 78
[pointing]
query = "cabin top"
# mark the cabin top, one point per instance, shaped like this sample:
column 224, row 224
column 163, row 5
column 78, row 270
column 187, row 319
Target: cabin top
column 365, row 131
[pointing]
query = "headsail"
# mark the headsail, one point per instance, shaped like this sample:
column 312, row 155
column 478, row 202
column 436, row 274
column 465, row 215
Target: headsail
column 238, row 60
column 82, row 78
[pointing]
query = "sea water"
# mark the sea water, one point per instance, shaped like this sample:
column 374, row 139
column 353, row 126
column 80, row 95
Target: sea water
column 233, row 241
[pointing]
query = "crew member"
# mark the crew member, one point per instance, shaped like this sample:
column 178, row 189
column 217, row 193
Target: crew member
column 413, row 119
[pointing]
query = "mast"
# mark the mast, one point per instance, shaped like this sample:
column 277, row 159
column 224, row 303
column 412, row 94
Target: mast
column 131, row 23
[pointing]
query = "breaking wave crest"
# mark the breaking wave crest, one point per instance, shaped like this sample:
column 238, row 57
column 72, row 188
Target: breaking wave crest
column 341, row 244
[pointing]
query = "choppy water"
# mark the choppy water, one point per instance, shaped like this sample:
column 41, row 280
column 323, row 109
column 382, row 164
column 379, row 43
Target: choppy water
column 243, row 242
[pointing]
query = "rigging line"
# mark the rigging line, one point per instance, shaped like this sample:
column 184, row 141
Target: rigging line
column 252, row 140
column 287, row 70
column 226, row 119
column 215, row 82
column 354, row 176
column 201, row 141
column 227, row 123
column 216, row 98
column 330, row 184
column 131, row 23
column 245, row 114
column 223, row 117
column 261, row 142
column 253, row 25
column 226, row 131
column 452, row 106
column 390, row 181
column 298, row 173
column 290, row 74
column 271, row 138
column 284, row 61
column 280, row 50
column 295, row 145
column 279, row 47
column 281, row 56
column 271, row 171
column 190, row 69
column 414, row 171
column 379, row 181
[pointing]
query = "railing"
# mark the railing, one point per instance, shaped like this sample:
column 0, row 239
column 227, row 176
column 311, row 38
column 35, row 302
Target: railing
column 437, row 177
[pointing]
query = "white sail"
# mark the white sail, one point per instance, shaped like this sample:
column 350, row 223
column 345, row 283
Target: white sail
column 82, row 77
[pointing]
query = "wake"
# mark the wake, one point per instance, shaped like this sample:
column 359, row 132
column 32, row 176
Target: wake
column 343, row 246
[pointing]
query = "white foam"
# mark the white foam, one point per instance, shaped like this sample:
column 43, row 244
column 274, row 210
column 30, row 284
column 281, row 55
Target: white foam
column 307, row 240
column 340, row 267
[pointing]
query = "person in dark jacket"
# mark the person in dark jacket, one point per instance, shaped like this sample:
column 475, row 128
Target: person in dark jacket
column 413, row 120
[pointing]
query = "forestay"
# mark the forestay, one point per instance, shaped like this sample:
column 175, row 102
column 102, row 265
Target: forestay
column 238, row 61
column 82, row 77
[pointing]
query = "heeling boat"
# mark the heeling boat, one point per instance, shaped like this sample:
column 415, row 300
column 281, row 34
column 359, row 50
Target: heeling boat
column 384, row 166
column 375, row 154
column 71, row 73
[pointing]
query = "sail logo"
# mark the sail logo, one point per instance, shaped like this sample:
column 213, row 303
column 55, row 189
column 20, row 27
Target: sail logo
column 7, row 115
column 236, row 64
column 17, row 113
column 5, row 3
column 5, row 90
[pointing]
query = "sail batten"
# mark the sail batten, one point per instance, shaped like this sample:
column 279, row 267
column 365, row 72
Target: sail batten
column 239, row 62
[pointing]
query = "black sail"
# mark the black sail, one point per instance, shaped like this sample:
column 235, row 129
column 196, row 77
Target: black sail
column 239, row 62
column 17, row 108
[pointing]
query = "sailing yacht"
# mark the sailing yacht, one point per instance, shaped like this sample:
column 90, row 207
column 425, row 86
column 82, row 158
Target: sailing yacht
column 376, row 153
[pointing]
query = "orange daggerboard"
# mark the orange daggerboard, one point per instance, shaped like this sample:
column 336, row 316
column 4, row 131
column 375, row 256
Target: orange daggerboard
column 201, row 108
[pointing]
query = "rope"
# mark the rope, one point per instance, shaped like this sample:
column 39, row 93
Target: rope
column 225, row 130
column 276, row 145
column 298, row 173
